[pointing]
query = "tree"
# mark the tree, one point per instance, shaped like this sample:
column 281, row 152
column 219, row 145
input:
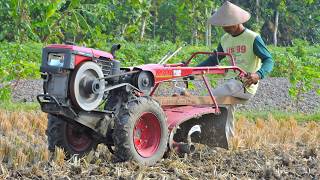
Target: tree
column 94, row 22
column 278, row 6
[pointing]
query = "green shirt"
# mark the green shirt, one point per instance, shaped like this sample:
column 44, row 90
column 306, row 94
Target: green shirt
column 250, row 52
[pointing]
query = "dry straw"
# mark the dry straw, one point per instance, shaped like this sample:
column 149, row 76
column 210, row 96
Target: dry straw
column 23, row 142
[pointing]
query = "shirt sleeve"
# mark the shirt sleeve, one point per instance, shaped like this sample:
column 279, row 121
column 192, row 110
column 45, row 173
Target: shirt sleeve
column 213, row 59
column 260, row 50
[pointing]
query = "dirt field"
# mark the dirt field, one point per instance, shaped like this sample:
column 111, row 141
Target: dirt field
column 263, row 149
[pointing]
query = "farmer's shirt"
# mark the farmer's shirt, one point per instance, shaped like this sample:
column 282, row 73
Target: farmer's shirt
column 250, row 54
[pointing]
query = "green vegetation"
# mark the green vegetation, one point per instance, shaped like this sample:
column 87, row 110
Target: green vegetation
column 250, row 115
column 148, row 29
column 300, row 63
column 18, row 61
column 19, row 106
column 99, row 21
column 278, row 115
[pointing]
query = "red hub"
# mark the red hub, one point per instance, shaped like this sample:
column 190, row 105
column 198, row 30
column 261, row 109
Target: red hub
column 77, row 139
column 147, row 135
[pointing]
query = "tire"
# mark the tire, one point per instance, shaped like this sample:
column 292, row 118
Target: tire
column 72, row 137
column 141, row 132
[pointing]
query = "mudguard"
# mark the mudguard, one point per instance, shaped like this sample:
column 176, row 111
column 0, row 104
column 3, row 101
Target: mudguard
column 182, row 119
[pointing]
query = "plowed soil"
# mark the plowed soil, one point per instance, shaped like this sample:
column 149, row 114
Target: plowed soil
column 264, row 149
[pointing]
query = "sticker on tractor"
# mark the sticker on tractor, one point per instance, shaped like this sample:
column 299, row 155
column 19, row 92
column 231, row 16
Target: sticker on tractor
column 176, row 72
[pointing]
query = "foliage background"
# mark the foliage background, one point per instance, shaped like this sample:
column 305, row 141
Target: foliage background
column 93, row 22
column 148, row 29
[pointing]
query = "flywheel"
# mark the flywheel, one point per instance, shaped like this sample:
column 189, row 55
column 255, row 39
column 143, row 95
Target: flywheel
column 86, row 86
column 144, row 81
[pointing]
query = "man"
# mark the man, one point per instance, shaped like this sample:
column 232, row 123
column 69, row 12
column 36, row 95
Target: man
column 250, row 54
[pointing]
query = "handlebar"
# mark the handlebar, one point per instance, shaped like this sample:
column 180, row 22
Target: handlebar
column 211, row 53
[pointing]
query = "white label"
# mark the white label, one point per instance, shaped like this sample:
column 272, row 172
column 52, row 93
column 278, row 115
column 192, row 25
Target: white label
column 176, row 72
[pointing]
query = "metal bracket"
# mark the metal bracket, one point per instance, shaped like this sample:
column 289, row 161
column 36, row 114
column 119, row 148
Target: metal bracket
column 45, row 98
column 217, row 110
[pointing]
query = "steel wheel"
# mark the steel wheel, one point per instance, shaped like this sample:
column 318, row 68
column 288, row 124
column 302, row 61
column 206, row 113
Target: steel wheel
column 147, row 134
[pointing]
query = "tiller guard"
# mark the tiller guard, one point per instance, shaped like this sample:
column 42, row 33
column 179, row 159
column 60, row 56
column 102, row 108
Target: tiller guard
column 212, row 125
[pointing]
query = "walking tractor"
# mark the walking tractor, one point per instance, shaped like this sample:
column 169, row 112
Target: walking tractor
column 90, row 99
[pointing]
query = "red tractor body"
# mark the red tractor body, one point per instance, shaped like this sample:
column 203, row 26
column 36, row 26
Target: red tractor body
column 81, row 52
column 93, row 100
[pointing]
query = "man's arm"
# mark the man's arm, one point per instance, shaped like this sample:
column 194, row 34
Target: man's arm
column 260, row 50
column 213, row 59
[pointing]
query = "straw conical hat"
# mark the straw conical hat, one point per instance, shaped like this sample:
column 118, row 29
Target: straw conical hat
column 228, row 15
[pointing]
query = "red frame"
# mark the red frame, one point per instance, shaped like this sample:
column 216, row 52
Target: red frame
column 162, row 73
column 178, row 114
column 171, row 71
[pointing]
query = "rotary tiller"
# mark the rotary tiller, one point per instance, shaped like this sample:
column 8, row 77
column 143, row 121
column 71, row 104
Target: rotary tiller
column 90, row 100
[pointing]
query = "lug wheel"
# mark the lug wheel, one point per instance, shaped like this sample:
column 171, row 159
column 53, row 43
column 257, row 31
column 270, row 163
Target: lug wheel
column 141, row 132
column 73, row 138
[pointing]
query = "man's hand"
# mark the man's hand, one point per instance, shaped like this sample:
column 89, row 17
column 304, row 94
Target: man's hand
column 251, row 78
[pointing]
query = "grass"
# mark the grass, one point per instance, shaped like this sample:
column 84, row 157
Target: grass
column 23, row 139
column 251, row 115
column 271, row 132
column 279, row 115
column 26, row 106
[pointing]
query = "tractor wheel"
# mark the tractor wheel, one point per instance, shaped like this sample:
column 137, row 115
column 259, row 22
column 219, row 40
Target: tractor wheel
column 72, row 137
column 141, row 132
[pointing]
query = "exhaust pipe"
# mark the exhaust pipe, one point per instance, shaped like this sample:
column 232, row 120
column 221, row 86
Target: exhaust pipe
column 115, row 48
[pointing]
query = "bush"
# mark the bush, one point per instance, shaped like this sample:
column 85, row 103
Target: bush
column 148, row 52
column 18, row 61
column 299, row 63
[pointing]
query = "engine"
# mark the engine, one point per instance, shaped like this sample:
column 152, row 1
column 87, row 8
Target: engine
column 80, row 78
column 77, row 76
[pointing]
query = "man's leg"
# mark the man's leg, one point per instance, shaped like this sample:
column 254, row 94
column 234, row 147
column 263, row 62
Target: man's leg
column 231, row 88
column 230, row 127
